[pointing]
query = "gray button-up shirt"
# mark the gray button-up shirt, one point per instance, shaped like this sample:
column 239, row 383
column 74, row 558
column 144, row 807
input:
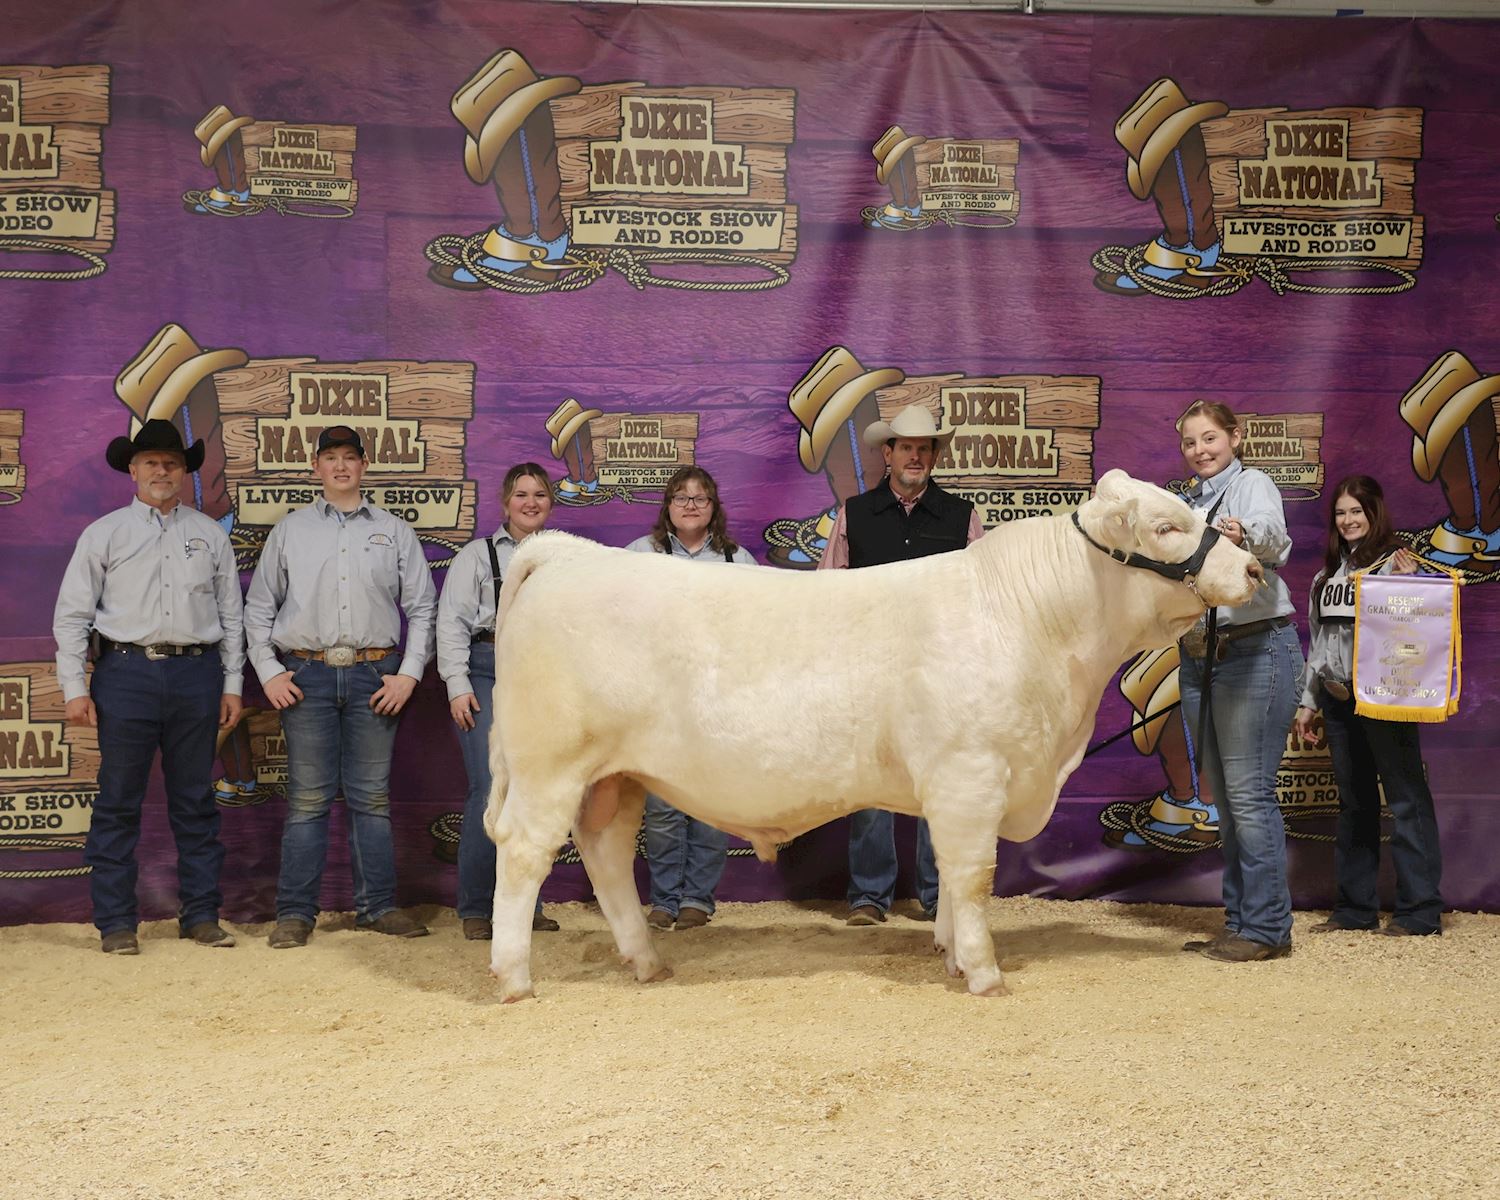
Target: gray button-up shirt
column 467, row 607
column 138, row 576
column 1254, row 501
column 327, row 579
column 704, row 553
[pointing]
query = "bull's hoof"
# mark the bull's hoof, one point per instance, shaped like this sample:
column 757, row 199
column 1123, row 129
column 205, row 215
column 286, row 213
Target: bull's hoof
column 994, row 987
column 517, row 997
column 662, row 974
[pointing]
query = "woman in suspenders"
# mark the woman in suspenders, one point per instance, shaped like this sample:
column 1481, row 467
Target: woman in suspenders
column 466, row 661
column 685, row 855
column 1367, row 754
column 1254, row 668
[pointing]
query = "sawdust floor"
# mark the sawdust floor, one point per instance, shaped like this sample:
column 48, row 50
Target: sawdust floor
column 790, row 1056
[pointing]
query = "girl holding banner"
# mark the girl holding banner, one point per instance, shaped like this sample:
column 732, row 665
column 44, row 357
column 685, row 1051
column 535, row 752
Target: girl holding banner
column 1367, row 753
column 1255, row 663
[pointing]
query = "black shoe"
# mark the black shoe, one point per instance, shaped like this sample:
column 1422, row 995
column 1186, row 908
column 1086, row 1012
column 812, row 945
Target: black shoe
column 1393, row 929
column 290, row 932
column 207, row 933
column 121, row 941
column 1332, row 926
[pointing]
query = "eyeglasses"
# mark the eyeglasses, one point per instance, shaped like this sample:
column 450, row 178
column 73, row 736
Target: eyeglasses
column 681, row 501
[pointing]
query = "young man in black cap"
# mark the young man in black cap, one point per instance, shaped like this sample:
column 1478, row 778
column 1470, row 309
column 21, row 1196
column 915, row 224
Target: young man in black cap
column 156, row 582
column 323, row 620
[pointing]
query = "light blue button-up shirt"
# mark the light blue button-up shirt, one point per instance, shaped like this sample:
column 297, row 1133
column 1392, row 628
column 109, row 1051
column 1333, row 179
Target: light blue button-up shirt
column 138, row 576
column 1253, row 500
column 467, row 607
column 704, row 553
column 328, row 578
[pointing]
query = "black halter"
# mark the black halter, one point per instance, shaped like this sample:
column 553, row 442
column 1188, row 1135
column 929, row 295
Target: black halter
column 1179, row 572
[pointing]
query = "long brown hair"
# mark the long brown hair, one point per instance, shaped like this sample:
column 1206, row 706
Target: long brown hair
column 1368, row 494
column 718, row 533
column 1220, row 414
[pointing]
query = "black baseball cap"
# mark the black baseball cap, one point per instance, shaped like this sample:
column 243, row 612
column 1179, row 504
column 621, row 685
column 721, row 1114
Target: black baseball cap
column 339, row 435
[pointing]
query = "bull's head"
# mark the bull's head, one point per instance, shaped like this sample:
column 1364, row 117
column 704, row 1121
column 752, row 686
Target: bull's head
column 1142, row 525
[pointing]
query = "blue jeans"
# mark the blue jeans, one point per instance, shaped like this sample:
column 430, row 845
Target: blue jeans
column 337, row 744
column 476, row 853
column 1255, row 692
column 1364, row 751
column 872, row 861
column 171, row 704
column 686, row 858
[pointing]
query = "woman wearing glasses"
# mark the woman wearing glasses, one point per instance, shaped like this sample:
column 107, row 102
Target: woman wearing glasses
column 685, row 855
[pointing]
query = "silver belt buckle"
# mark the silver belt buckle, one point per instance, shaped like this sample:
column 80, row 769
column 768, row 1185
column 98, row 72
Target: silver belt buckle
column 339, row 656
column 154, row 654
column 1195, row 640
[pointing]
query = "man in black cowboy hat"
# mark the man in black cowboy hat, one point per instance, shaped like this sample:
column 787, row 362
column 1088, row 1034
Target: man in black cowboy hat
column 156, row 582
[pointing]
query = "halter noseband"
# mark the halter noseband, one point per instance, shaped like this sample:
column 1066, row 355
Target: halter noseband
column 1179, row 572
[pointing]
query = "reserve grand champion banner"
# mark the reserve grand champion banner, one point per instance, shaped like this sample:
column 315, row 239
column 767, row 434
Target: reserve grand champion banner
column 621, row 240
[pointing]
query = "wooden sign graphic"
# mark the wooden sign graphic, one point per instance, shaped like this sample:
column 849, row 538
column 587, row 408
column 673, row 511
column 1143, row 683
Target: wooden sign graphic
column 51, row 146
column 969, row 175
column 1332, row 183
column 12, row 470
column 410, row 416
column 289, row 161
column 1023, row 445
column 642, row 450
column 48, row 768
column 684, row 168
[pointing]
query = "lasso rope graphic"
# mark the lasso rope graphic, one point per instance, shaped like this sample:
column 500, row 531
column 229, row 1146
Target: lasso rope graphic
column 247, row 544
column 1234, row 273
column 195, row 199
column 96, row 264
column 583, row 267
column 870, row 216
column 44, row 843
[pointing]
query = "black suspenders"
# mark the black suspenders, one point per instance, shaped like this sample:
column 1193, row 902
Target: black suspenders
column 489, row 544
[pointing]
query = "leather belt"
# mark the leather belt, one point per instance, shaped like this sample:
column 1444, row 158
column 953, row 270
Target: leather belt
column 345, row 656
column 157, row 651
column 484, row 635
column 1233, row 633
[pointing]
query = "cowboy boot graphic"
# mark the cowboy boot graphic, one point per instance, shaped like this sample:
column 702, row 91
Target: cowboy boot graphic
column 573, row 445
column 507, row 113
column 171, row 379
column 895, row 167
column 1166, row 161
column 221, row 148
column 1451, row 411
column 1182, row 815
column 833, row 403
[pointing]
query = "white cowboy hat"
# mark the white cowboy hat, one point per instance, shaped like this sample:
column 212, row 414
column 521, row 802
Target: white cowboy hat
column 913, row 421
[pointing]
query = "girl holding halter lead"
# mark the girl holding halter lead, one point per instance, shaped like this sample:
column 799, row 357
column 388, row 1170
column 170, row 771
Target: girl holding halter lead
column 1364, row 749
column 686, row 856
column 1256, row 665
column 466, row 661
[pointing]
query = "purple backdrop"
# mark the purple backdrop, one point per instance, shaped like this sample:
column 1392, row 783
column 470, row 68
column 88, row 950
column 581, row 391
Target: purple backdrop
column 935, row 301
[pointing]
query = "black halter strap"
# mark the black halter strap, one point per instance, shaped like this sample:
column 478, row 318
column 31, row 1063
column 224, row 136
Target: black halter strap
column 1175, row 571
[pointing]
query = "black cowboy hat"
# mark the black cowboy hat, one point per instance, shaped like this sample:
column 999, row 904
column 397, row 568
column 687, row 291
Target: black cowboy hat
column 154, row 435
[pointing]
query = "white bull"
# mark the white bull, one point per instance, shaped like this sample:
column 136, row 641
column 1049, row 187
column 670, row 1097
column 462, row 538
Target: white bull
column 961, row 687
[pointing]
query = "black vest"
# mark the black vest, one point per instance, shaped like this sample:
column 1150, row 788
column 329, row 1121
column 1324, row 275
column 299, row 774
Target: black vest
column 880, row 531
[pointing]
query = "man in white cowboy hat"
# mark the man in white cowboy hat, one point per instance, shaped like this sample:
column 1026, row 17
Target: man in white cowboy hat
column 909, row 517
column 323, row 619
column 156, row 583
